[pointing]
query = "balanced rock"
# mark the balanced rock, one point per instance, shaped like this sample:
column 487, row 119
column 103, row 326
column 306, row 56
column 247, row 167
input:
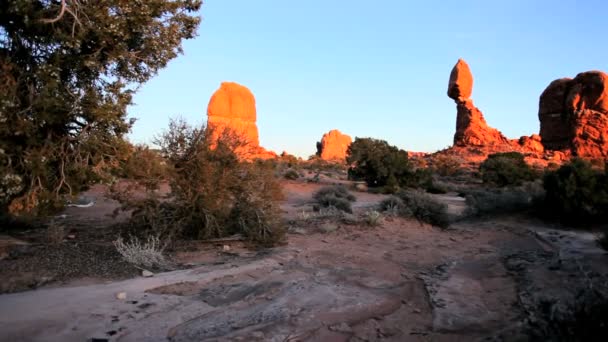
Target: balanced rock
column 461, row 81
column 333, row 146
column 232, row 108
column 573, row 115
column 471, row 127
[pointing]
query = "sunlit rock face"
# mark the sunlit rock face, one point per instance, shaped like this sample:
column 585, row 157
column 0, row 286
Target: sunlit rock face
column 232, row 107
column 471, row 127
column 333, row 146
column 573, row 115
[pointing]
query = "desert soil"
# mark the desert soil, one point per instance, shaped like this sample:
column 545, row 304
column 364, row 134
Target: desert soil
column 335, row 280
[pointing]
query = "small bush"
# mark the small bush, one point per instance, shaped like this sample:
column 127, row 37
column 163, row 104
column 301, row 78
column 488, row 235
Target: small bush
column 424, row 208
column 291, row 174
column 446, row 165
column 336, row 196
column 504, row 169
column 373, row 218
column 502, row 201
column 392, row 205
column 147, row 254
column 378, row 163
column 577, row 193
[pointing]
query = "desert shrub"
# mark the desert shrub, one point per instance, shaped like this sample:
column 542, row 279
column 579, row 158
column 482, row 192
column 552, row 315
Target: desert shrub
column 336, row 196
column 446, row 164
column 143, row 253
column 391, row 205
column 144, row 165
column 373, row 218
column 291, row 174
column 504, row 169
column 424, row 208
column 503, row 200
column 577, row 193
column 378, row 163
column 213, row 193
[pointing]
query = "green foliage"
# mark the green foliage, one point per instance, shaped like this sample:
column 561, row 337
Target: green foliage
column 336, row 196
column 379, row 164
column 68, row 71
column 213, row 193
column 577, row 193
column 504, row 169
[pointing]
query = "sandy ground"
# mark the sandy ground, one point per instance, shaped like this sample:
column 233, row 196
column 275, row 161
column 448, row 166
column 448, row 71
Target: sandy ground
column 401, row 281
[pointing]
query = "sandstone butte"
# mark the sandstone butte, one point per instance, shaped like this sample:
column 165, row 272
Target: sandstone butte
column 333, row 146
column 232, row 107
column 573, row 115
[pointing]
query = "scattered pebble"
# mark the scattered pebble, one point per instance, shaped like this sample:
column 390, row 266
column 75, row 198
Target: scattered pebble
column 147, row 274
column 121, row 295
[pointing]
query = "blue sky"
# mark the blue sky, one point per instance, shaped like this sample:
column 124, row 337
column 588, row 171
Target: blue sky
column 375, row 68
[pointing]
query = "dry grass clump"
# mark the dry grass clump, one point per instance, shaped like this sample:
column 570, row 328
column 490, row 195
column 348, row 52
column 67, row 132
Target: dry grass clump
column 146, row 254
column 373, row 218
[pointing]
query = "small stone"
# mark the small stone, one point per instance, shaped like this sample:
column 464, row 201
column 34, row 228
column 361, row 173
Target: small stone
column 226, row 248
column 417, row 311
column 71, row 236
column 147, row 274
column 121, row 295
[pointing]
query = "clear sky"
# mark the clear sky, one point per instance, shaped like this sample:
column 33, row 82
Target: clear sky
column 375, row 68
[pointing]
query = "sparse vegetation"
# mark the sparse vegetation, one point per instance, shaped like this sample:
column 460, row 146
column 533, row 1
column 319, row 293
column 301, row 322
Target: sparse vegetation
column 577, row 193
column 336, row 196
column 418, row 205
column 503, row 200
column 291, row 174
column 446, row 164
column 424, row 208
column 373, row 218
column 213, row 193
column 392, row 205
column 146, row 254
column 506, row 169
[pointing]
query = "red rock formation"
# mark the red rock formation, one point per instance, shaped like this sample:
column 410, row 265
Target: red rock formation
column 232, row 107
column 461, row 81
column 554, row 128
column 531, row 144
column 471, row 127
column 333, row 146
column 573, row 115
